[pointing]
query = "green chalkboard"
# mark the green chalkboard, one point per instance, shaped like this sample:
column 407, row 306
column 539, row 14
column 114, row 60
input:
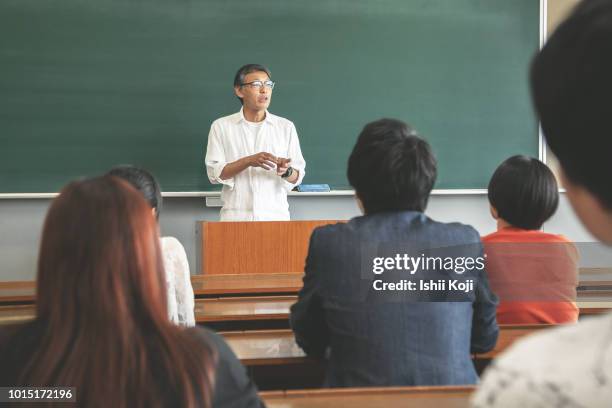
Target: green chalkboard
column 88, row 84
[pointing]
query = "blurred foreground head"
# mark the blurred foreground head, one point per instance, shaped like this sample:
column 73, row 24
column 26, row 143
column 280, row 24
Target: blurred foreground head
column 571, row 83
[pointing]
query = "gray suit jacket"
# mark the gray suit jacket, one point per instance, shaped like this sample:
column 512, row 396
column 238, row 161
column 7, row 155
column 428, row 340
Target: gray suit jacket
column 394, row 337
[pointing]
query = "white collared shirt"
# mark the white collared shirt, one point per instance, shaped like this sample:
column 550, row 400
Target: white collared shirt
column 254, row 194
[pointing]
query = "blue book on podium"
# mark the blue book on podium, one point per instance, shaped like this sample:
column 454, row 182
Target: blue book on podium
column 313, row 188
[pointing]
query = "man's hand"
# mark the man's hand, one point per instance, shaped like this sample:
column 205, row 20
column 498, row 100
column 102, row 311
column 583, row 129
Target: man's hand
column 264, row 160
column 282, row 165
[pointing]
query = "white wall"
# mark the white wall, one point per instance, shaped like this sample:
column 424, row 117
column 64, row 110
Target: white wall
column 21, row 223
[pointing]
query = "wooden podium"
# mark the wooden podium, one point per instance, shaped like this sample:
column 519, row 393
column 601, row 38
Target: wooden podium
column 262, row 247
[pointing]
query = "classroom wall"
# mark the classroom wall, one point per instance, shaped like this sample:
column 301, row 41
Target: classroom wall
column 21, row 220
column 21, row 223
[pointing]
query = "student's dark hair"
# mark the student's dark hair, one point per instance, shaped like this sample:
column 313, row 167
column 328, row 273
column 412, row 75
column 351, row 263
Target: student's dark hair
column 571, row 83
column 524, row 192
column 247, row 69
column 101, row 287
column 144, row 182
column 390, row 168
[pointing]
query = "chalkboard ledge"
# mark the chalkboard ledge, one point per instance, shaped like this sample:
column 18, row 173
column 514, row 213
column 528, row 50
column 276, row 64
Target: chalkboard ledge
column 216, row 194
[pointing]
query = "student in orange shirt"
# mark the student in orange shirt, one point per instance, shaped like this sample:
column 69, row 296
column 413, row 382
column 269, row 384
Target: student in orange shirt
column 534, row 273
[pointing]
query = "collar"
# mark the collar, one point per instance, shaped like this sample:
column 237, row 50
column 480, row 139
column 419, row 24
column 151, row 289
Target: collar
column 270, row 118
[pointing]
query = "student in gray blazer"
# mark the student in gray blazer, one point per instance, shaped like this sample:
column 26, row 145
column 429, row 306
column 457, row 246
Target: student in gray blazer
column 393, row 297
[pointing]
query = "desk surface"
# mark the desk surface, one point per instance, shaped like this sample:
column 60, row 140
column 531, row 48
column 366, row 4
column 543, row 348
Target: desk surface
column 272, row 347
column 278, row 347
column 509, row 333
column 206, row 310
column 265, row 347
column 243, row 309
column 599, row 289
column 375, row 397
column 277, row 283
column 17, row 291
column 247, row 283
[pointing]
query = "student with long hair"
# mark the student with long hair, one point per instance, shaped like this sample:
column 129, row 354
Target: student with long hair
column 102, row 325
column 176, row 266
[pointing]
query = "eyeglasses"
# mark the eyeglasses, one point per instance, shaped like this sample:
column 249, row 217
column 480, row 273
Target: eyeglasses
column 259, row 84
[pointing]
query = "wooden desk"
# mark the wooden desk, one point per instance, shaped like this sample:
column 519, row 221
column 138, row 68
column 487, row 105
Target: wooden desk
column 243, row 308
column 203, row 285
column 509, row 333
column 264, row 309
column 272, row 347
column 255, row 247
column 12, row 292
column 237, row 309
column 375, row 397
column 16, row 313
column 247, row 284
column 240, row 284
column 265, row 347
column 588, row 308
column 277, row 308
column 17, row 292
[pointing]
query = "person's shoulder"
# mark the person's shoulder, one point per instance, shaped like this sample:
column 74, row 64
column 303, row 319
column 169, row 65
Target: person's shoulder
column 334, row 228
column 279, row 120
column 455, row 231
column 6, row 334
column 233, row 387
column 17, row 342
column 11, row 355
column 535, row 370
column 557, row 340
column 17, row 332
column 561, row 350
column 371, row 223
column 214, row 340
column 557, row 238
column 171, row 244
column 492, row 237
column 205, row 336
column 226, row 120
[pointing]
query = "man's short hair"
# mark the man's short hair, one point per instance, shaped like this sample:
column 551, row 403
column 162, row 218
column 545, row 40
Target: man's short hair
column 247, row 69
column 524, row 192
column 390, row 168
column 571, row 83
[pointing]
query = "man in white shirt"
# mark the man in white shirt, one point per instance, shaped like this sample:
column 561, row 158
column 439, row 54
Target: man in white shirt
column 255, row 155
column 571, row 82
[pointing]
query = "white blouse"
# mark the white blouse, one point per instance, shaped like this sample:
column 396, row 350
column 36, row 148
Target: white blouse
column 178, row 282
column 254, row 194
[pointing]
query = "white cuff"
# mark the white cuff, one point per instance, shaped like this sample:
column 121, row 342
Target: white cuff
column 214, row 175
